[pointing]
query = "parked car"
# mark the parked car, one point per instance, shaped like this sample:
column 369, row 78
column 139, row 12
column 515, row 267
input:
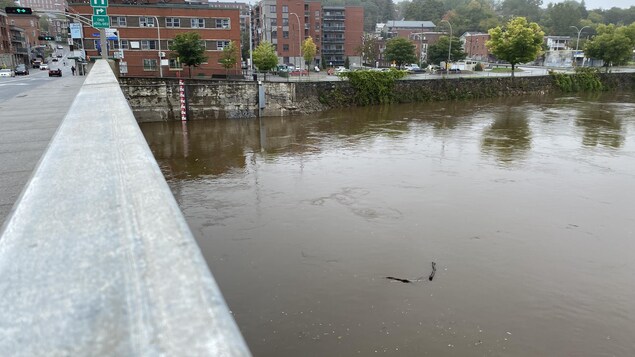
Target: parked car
column 59, row 55
column 21, row 70
column 413, row 68
column 60, row 47
column 44, row 66
column 55, row 72
column 54, row 59
column 7, row 72
column 299, row 72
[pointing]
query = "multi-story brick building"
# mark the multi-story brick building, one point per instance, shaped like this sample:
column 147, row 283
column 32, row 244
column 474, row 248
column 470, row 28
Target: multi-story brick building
column 145, row 33
column 474, row 46
column 6, row 54
column 336, row 31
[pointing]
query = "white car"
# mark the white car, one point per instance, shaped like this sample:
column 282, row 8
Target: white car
column 7, row 72
column 44, row 66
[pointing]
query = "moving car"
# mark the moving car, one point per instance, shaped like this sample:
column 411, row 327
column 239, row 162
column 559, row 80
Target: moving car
column 44, row 66
column 21, row 70
column 7, row 72
column 54, row 59
column 413, row 68
column 55, row 72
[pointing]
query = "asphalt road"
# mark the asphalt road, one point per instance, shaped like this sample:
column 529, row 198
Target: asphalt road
column 31, row 109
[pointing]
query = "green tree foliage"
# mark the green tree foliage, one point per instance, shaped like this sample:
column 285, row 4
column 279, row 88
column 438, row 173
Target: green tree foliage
column 369, row 49
column 229, row 57
column 309, row 49
column 438, row 52
column 265, row 58
column 518, row 41
column 244, row 44
column 372, row 87
column 424, row 10
column 559, row 17
column 475, row 15
column 613, row 44
column 525, row 8
column 189, row 49
column 401, row 51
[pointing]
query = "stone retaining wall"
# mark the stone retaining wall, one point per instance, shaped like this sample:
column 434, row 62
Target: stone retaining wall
column 157, row 99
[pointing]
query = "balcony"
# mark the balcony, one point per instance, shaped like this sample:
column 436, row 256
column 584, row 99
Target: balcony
column 332, row 40
column 331, row 51
column 333, row 28
column 327, row 16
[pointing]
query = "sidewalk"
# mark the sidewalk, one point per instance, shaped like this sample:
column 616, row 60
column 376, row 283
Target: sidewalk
column 27, row 124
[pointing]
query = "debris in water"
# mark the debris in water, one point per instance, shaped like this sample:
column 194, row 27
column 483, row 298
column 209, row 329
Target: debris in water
column 434, row 269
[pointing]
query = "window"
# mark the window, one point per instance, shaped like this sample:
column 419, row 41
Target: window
column 221, row 44
column 149, row 64
column 146, row 21
column 285, row 9
column 175, row 63
column 285, row 47
column 172, row 22
column 272, row 8
column 285, row 34
column 148, row 44
column 285, row 21
column 124, row 45
column 274, row 34
column 221, row 23
column 198, row 23
column 274, row 23
column 119, row 21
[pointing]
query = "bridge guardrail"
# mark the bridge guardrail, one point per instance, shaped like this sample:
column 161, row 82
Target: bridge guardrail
column 96, row 258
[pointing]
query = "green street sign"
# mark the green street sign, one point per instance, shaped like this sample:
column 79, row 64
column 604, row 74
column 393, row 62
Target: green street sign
column 98, row 11
column 101, row 22
column 101, row 3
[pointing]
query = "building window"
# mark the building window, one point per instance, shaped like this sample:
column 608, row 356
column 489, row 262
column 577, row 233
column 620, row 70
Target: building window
column 124, row 45
column 285, row 9
column 221, row 23
column 285, row 34
column 274, row 34
column 221, row 44
column 149, row 64
column 272, row 8
column 285, row 47
column 274, row 23
column 175, row 63
column 198, row 23
column 148, row 44
column 172, row 22
column 119, row 21
column 146, row 21
column 285, row 21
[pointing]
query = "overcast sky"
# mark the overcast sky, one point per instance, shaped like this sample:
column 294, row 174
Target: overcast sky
column 599, row 4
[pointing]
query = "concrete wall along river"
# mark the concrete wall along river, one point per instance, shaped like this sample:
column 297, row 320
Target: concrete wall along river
column 157, row 99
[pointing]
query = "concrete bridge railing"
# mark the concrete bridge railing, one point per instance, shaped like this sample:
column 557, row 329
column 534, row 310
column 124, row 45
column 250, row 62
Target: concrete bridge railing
column 96, row 258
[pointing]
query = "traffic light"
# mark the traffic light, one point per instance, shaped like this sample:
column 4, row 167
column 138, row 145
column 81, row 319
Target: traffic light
column 46, row 38
column 18, row 10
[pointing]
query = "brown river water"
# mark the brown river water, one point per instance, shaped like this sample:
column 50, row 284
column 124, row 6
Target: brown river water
column 524, row 204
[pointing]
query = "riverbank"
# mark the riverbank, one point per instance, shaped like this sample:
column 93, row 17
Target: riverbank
column 157, row 99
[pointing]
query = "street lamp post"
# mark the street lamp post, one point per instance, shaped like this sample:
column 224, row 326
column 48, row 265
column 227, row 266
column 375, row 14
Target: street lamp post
column 579, row 31
column 159, row 47
column 299, row 39
column 450, row 46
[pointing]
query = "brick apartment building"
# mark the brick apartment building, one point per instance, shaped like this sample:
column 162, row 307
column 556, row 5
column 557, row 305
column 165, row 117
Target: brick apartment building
column 336, row 30
column 474, row 46
column 6, row 54
column 146, row 32
column 422, row 34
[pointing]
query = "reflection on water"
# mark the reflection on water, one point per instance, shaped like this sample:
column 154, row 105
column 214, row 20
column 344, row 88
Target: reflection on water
column 523, row 203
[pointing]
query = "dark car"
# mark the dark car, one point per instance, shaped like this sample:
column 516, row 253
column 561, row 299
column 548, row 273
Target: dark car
column 21, row 70
column 55, row 72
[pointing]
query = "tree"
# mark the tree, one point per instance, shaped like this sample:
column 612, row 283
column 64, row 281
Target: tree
column 189, row 49
column 612, row 44
column 439, row 51
column 475, row 15
column 265, row 57
column 309, row 49
column 229, row 57
column 560, row 17
column 517, row 42
column 423, row 10
column 369, row 49
column 525, row 8
column 400, row 50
